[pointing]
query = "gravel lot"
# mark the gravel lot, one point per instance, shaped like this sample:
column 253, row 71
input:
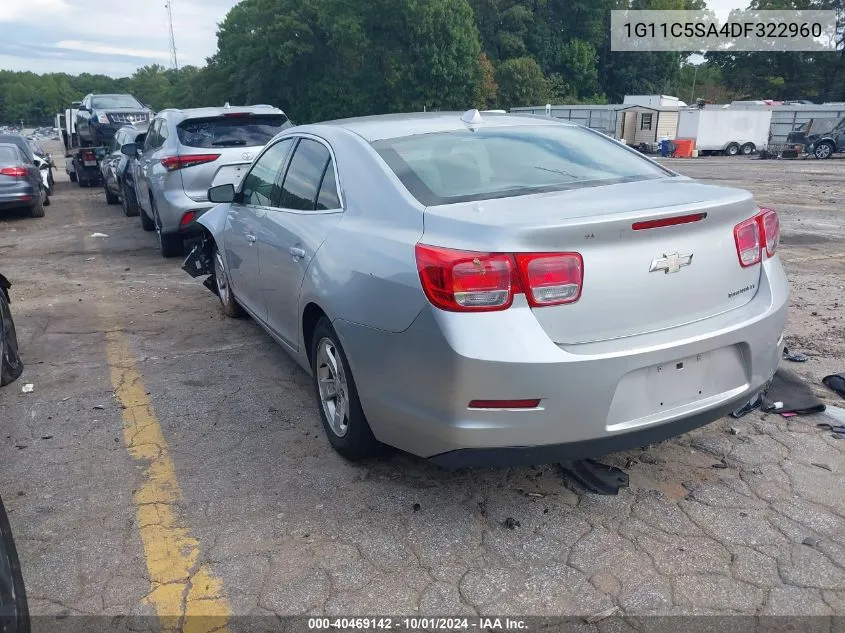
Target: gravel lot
column 277, row 523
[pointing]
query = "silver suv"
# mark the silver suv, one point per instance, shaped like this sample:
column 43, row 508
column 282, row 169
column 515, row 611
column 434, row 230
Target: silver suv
column 188, row 151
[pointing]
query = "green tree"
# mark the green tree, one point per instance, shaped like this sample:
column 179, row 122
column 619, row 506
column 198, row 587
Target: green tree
column 521, row 83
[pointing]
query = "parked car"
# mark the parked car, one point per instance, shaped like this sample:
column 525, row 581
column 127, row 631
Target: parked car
column 20, row 182
column 21, row 142
column 118, row 179
column 186, row 152
column 100, row 116
column 496, row 289
column 11, row 366
column 14, row 612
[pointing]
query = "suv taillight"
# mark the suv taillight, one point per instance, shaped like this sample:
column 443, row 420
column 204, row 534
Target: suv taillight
column 756, row 234
column 172, row 163
column 468, row 281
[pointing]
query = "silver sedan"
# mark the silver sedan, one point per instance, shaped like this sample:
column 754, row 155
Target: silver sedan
column 494, row 289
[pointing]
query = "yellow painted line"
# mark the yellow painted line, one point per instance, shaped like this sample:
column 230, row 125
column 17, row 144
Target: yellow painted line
column 185, row 593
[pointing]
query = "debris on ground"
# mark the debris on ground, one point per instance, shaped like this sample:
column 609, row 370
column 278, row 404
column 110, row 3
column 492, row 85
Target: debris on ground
column 99, row 235
column 601, row 615
column 734, row 430
column 822, row 466
column 839, row 429
column 720, row 464
column 788, row 393
column 511, row 523
column 99, row 407
column 417, row 507
column 27, row 388
column 755, row 403
column 836, row 382
column 811, row 541
column 795, row 357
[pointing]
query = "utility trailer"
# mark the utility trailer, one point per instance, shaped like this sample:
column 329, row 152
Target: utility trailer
column 82, row 164
column 726, row 130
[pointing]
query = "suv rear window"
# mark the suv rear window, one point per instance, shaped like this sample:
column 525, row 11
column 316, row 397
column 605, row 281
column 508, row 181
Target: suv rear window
column 231, row 130
column 500, row 162
column 9, row 155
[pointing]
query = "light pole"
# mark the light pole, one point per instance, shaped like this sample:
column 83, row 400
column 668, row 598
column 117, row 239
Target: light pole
column 694, row 77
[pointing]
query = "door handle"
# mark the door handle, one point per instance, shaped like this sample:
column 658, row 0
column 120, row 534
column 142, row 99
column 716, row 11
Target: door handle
column 250, row 238
column 298, row 253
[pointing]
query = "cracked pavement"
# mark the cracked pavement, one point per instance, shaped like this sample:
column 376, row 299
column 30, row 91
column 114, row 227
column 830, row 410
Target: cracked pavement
column 290, row 528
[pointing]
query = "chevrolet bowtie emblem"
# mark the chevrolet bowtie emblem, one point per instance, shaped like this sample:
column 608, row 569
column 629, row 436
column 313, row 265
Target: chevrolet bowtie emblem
column 670, row 263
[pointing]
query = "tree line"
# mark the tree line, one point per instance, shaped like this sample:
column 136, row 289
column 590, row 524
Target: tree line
column 323, row 59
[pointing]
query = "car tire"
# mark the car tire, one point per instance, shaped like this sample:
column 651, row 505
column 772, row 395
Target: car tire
column 230, row 306
column 343, row 418
column 169, row 244
column 732, row 149
column 11, row 366
column 110, row 197
column 748, row 148
column 130, row 205
column 823, row 150
column 146, row 222
column 72, row 176
column 37, row 210
column 13, row 603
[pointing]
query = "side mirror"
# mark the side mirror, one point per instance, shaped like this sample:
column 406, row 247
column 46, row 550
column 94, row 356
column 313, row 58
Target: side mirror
column 130, row 149
column 82, row 108
column 222, row 193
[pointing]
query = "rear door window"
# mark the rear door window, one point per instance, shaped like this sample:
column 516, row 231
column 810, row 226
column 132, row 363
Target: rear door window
column 231, row 130
column 328, row 197
column 303, row 178
column 260, row 185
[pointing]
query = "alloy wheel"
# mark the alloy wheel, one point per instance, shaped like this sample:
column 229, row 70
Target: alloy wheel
column 333, row 386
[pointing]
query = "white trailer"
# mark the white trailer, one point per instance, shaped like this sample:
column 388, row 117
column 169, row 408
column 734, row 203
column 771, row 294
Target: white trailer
column 726, row 130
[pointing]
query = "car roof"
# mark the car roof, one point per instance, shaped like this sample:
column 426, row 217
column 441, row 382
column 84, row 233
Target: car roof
column 213, row 111
column 386, row 126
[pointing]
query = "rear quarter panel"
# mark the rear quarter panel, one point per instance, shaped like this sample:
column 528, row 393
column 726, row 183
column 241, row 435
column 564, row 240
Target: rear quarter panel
column 365, row 271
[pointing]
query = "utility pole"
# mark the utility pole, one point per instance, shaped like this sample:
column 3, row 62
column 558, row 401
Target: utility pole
column 173, row 62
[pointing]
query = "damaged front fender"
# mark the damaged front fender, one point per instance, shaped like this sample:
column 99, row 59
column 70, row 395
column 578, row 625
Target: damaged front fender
column 200, row 261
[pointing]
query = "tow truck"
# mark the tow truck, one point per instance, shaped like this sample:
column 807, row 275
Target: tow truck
column 82, row 164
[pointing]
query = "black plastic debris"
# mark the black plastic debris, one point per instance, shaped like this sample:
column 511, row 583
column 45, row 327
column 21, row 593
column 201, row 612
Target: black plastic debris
column 836, row 382
column 595, row 477
column 788, row 393
column 755, row 403
column 511, row 523
column 839, row 429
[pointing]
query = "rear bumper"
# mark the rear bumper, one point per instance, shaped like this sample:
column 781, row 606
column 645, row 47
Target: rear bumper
column 595, row 398
column 173, row 205
column 21, row 194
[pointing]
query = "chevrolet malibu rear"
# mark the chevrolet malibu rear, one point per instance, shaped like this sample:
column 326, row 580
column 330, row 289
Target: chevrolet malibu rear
column 511, row 291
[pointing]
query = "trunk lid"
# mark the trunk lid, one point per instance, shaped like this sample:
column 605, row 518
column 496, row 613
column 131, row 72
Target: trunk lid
column 622, row 295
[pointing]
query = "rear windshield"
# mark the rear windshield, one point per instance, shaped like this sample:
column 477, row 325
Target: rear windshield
column 232, row 131
column 462, row 165
column 9, row 155
column 115, row 101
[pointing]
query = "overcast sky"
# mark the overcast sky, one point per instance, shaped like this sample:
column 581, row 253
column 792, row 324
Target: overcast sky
column 116, row 37
column 112, row 38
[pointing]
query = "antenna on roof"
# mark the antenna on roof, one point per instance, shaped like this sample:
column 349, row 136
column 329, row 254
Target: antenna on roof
column 472, row 117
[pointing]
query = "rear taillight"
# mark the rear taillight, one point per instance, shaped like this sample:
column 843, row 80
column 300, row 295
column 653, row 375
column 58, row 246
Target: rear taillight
column 15, row 172
column 754, row 235
column 747, row 238
column 464, row 281
column 172, row 163
column 771, row 229
column 467, row 281
column 551, row 278
column 88, row 155
column 187, row 218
